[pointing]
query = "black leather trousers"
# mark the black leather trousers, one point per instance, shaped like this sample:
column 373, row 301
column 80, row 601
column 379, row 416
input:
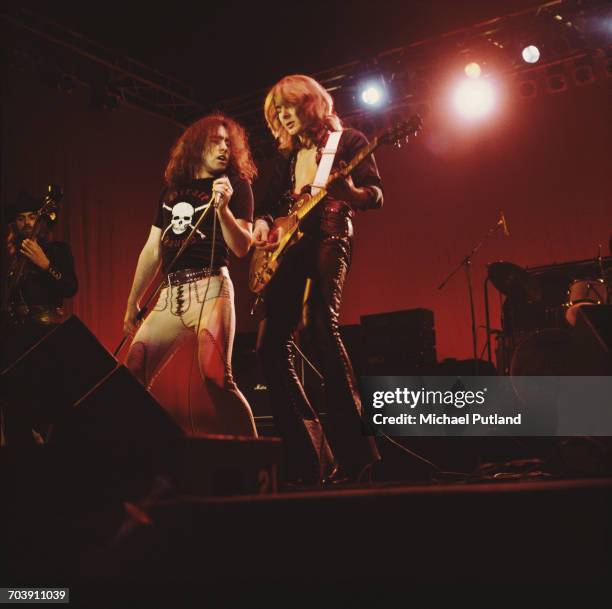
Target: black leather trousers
column 326, row 260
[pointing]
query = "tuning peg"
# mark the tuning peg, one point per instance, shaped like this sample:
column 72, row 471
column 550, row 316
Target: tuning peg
column 398, row 143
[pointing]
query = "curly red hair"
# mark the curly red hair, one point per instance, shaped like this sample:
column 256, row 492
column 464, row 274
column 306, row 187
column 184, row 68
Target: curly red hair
column 186, row 155
column 314, row 105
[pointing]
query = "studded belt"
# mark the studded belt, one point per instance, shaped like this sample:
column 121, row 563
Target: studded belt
column 189, row 275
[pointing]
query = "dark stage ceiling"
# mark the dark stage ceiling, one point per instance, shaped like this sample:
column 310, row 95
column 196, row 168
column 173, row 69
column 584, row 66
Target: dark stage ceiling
column 230, row 48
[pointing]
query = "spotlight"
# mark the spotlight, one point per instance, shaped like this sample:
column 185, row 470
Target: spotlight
column 474, row 98
column 472, row 70
column 531, row 54
column 372, row 92
column 371, row 95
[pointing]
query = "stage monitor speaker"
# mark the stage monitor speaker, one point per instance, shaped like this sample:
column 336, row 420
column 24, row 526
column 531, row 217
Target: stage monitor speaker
column 118, row 415
column 118, row 435
column 228, row 465
column 57, row 371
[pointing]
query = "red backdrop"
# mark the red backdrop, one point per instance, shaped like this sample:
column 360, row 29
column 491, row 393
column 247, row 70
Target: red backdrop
column 545, row 161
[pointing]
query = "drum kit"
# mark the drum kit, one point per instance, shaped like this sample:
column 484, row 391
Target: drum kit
column 540, row 310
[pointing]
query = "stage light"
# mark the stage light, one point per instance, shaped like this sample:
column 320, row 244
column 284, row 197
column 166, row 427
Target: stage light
column 474, row 98
column 531, row 54
column 372, row 94
column 372, row 91
column 472, row 70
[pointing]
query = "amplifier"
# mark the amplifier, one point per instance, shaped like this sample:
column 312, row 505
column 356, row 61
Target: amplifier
column 399, row 342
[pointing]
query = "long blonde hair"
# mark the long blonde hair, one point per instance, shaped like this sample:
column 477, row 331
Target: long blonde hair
column 315, row 107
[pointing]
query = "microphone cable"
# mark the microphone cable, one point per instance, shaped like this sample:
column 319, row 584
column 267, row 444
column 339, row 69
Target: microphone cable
column 197, row 334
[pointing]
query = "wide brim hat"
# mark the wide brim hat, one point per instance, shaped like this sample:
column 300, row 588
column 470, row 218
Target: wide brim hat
column 23, row 203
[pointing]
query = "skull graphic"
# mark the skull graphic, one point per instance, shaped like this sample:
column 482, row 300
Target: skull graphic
column 182, row 217
column 182, row 214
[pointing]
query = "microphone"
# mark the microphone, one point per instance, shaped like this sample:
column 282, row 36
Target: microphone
column 217, row 197
column 502, row 223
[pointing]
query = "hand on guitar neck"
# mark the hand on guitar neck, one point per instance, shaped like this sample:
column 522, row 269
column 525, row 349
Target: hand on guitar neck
column 344, row 189
column 33, row 252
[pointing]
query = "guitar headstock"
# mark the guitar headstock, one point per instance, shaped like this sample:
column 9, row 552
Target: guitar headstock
column 402, row 131
column 51, row 201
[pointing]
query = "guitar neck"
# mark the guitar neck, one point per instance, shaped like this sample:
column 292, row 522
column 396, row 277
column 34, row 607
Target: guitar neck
column 346, row 171
column 362, row 154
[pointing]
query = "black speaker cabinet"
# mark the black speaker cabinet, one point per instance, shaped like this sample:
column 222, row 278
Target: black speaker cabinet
column 56, row 372
column 117, row 416
column 117, row 436
column 228, row 465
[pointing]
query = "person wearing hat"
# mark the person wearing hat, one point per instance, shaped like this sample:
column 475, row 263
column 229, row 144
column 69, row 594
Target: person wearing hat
column 34, row 298
column 39, row 275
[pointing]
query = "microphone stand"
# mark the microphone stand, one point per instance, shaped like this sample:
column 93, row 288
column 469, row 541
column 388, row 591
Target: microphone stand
column 143, row 311
column 466, row 263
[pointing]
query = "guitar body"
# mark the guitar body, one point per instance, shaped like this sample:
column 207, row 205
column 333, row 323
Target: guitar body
column 265, row 264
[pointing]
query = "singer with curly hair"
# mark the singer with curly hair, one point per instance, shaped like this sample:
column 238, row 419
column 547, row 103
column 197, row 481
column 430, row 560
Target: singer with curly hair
column 210, row 165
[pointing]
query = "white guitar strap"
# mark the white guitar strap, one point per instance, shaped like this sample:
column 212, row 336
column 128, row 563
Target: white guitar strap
column 325, row 164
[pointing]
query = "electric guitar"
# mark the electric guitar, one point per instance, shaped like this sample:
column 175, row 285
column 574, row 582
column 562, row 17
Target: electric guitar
column 264, row 264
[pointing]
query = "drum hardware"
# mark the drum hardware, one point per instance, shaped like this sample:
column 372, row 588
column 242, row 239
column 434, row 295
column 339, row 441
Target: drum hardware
column 583, row 292
column 512, row 281
column 466, row 264
column 507, row 277
column 587, row 291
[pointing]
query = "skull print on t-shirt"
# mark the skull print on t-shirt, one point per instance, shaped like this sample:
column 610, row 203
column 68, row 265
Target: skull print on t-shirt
column 180, row 214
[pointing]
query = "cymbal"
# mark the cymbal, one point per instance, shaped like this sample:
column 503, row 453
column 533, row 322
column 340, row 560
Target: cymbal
column 507, row 277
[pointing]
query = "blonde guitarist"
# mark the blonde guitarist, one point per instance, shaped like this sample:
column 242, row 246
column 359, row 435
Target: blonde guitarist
column 300, row 114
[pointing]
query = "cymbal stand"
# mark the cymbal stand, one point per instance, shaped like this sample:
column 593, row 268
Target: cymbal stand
column 466, row 263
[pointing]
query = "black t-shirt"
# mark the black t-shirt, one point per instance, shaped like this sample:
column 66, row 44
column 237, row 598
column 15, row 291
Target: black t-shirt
column 180, row 210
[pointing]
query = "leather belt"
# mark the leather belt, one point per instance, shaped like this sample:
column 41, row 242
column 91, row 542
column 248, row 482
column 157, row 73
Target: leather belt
column 39, row 314
column 189, row 275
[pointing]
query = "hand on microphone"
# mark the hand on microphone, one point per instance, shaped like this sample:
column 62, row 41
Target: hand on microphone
column 222, row 193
